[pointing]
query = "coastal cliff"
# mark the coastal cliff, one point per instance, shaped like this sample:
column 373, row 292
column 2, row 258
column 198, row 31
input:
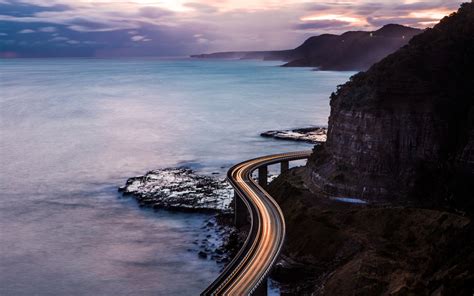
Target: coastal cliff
column 401, row 137
column 354, row 50
column 404, row 129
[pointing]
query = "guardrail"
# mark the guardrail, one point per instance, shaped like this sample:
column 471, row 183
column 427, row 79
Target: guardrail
column 250, row 267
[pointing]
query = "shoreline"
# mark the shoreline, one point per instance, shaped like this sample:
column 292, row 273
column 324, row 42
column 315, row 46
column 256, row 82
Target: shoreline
column 182, row 189
column 185, row 190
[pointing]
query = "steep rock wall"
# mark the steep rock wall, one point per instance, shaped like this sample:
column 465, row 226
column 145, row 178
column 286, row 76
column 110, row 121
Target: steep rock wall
column 404, row 128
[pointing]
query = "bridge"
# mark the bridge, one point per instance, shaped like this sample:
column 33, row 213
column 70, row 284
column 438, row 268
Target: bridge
column 246, row 274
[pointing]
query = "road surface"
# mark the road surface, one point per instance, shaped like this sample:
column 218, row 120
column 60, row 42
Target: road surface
column 251, row 265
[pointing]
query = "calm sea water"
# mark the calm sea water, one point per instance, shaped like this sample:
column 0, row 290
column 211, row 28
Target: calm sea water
column 73, row 130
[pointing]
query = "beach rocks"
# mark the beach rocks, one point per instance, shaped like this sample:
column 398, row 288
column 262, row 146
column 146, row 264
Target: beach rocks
column 180, row 189
column 309, row 135
column 219, row 240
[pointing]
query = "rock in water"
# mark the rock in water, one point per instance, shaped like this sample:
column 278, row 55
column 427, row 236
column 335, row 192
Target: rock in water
column 310, row 134
column 180, row 189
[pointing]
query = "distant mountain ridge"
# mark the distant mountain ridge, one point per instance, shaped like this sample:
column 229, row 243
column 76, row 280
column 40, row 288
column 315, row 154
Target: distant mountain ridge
column 352, row 50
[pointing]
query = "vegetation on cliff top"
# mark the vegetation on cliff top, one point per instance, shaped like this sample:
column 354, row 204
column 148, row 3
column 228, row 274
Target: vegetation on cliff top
column 419, row 102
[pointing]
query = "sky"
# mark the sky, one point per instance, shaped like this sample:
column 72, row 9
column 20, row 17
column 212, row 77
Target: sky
column 100, row 28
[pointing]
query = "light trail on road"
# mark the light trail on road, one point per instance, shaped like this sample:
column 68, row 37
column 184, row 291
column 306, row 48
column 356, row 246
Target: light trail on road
column 257, row 256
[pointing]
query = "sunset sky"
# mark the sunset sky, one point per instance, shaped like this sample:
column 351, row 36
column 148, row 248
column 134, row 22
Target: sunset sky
column 181, row 27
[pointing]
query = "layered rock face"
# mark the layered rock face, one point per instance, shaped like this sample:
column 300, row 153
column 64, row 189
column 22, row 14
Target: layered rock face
column 404, row 129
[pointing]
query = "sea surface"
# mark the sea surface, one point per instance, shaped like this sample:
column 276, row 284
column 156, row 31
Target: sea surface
column 73, row 130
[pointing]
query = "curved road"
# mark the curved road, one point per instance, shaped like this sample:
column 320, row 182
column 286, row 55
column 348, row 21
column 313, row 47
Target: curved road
column 267, row 230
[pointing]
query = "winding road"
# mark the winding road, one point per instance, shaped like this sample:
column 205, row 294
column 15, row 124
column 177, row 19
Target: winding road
column 243, row 275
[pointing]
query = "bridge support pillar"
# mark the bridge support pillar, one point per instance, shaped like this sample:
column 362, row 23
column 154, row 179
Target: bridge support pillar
column 284, row 166
column 262, row 289
column 240, row 211
column 263, row 176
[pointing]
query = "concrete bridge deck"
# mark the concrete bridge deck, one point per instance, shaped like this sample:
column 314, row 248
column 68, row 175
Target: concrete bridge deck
column 246, row 273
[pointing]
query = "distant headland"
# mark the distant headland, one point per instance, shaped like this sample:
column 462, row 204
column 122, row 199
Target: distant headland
column 352, row 50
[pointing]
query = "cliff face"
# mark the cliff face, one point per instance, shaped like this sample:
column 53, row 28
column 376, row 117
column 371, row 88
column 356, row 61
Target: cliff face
column 404, row 129
column 356, row 50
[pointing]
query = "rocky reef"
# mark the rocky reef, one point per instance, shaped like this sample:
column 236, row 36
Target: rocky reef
column 403, row 130
column 310, row 134
column 180, row 189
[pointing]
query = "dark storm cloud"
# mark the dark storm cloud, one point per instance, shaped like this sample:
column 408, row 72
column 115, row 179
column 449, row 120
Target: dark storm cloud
column 31, row 36
column 23, row 10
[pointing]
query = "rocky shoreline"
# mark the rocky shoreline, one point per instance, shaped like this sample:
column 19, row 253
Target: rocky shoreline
column 313, row 135
column 183, row 190
column 219, row 241
column 180, row 189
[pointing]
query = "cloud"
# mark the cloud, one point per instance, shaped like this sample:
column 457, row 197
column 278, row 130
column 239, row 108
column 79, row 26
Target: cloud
column 59, row 38
column 82, row 24
column 180, row 27
column 318, row 6
column 202, row 8
column 417, row 6
column 47, row 29
column 154, row 12
column 321, row 24
column 139, row 38
column 26, row 31
column 413, row 22
column 28, row 9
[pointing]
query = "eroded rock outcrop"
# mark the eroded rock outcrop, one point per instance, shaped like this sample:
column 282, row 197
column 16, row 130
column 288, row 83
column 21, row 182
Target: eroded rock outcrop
column 403, row 130
column 309, row 134
column 180, row 189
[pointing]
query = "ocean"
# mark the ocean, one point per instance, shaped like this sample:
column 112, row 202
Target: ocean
column 73, row 130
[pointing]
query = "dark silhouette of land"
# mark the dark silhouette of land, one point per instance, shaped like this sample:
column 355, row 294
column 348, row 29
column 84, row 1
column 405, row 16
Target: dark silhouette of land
column 353, row 50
